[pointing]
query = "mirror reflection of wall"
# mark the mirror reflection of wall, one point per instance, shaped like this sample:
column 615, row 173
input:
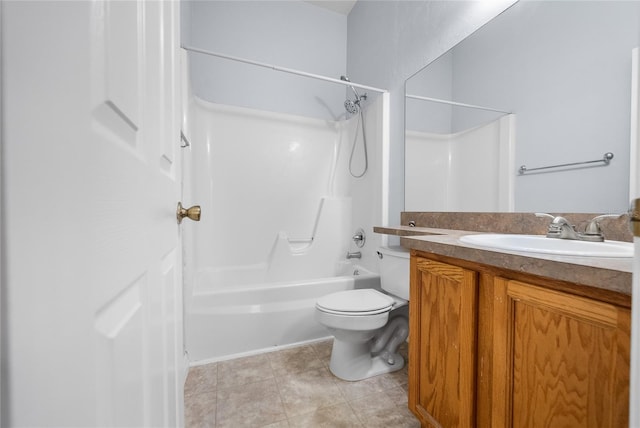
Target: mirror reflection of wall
column 564, row 69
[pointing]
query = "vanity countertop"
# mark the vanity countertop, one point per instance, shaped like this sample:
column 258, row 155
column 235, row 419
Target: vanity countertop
column 612, row 274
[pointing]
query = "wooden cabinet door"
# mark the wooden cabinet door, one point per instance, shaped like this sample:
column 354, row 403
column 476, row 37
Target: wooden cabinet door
column 558, row 359
column 442, row 344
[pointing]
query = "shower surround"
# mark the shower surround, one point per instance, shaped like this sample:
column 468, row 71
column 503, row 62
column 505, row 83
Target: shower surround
column 279, row 211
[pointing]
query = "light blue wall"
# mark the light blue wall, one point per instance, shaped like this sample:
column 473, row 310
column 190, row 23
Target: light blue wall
column 289, row 34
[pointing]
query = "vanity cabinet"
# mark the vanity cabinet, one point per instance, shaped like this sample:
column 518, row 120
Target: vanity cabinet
column 442, row 343
column 495, row 348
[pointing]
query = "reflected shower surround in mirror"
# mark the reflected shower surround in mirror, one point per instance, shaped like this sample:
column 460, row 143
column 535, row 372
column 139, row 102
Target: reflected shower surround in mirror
column 438, row 169
column 550, row 74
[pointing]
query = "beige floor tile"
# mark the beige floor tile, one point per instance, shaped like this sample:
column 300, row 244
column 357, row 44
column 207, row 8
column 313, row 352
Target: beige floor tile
column 337, row 416
column 401, row 376
column 252, row 405
column 398, row 396
column 242, row 371
column 323, row 349
column 200, row 410
column 396, row 417
column 308, row 391
column 293, row 388
column 355, row 390
column 380, row 400
column 405, row 388
column 385, row 409
column 279, row 424
column 295, row 360
column 201, row 378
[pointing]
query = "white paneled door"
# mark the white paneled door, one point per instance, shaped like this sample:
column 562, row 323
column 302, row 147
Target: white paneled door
column 92, row 301
column 634, row 194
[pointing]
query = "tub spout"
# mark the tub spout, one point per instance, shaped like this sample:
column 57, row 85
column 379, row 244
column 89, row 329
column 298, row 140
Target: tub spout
column 356, row 255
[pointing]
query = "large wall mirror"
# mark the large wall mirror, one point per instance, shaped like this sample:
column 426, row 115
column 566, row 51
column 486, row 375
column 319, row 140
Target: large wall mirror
column 545, row 83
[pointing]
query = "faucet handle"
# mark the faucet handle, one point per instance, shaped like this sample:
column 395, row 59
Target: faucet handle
column 559, row 227
column 593, row 227
column 545, row 215
column 557, row 221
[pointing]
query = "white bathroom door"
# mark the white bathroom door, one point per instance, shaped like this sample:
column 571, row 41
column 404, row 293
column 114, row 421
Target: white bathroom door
column 92, row 300
column 634, row 194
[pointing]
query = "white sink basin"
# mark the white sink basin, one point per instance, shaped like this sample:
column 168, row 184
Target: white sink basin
column 542, row 244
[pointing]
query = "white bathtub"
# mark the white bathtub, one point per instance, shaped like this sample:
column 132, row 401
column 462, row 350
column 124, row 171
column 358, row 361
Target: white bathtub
column 242, row 319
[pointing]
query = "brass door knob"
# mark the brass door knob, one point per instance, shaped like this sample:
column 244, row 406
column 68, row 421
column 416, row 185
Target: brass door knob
column 193, row 213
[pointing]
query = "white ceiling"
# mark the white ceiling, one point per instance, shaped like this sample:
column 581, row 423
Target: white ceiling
column 340, row 6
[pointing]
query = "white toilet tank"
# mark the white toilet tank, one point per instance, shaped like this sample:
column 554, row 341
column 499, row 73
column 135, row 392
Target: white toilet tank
column 394, row 270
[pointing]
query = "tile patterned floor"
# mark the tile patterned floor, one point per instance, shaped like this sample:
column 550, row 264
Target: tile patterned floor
column 293, row 388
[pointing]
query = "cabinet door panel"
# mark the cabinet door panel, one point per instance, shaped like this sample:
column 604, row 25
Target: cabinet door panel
column 443, row 302
column 566, row 361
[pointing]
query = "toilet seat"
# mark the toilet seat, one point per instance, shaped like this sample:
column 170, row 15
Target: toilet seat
column 355, row 303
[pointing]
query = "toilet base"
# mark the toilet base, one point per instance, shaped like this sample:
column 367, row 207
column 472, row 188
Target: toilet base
column 353, row 361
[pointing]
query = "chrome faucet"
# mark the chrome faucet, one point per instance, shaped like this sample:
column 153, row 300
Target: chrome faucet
column 561, row 228
column 356, row 255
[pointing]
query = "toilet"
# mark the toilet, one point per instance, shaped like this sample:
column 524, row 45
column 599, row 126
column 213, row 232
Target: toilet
column 368, row 325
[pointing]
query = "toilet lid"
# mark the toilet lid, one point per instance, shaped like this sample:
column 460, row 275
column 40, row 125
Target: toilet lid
column 355, row 301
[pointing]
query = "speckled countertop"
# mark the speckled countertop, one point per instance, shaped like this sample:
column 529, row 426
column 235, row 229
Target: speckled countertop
column 612, row 274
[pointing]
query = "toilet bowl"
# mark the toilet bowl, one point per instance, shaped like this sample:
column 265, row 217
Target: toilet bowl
column 368, row 325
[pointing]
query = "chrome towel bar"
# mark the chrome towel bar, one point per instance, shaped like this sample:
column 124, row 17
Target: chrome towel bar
column 605, row 159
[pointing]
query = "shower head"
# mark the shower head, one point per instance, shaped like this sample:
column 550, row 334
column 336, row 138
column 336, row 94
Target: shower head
column 352, row 107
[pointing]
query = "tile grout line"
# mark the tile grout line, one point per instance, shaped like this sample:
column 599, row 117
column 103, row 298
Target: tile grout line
column 215, row 413
column 277, row 384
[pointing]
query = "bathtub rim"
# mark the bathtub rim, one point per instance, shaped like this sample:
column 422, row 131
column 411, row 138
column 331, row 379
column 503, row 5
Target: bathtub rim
column 255, row 352
column 201, row 291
